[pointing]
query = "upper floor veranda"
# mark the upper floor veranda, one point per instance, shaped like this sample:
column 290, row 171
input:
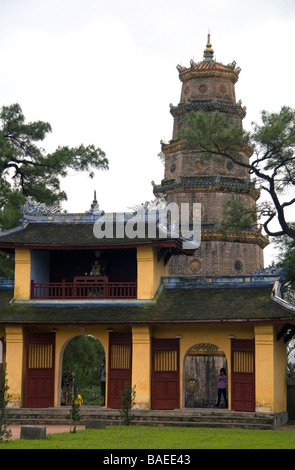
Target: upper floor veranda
column 63, row 257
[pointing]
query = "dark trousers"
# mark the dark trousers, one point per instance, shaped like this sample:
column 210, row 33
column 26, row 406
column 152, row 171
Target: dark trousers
column 103, row 388
column 221, row 392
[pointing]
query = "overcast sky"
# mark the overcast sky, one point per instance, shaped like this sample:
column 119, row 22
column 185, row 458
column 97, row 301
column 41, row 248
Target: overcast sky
column 104, row 72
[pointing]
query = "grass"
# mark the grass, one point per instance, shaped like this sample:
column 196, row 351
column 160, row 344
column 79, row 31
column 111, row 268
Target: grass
column 145, row 437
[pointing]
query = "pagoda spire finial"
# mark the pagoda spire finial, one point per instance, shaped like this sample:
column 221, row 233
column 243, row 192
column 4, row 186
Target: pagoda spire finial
column 94, row 202
column 208, row 52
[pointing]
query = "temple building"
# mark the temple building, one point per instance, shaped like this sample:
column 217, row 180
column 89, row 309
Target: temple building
column 210, row 86
column 169, row 314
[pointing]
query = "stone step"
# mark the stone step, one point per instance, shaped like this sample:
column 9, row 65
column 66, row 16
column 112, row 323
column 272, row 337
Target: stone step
column 186, row 417
column 204, row 424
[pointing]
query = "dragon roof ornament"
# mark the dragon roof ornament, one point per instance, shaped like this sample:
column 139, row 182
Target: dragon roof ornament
column 32, row 207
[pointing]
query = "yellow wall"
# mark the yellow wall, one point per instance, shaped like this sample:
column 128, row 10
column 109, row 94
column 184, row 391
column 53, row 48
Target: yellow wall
column 14, row 361
column 141, row 366
column 280, row 375
column 264, row 368
column 270, row 359
column 22, row 277
column 270, row 370
column 149, row 272
column 190, row 336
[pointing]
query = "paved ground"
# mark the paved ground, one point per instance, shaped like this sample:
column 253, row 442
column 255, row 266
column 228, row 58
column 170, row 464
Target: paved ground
column 52, row 429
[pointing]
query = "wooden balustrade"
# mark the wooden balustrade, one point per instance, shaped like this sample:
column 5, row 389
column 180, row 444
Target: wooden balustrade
column 86, row 287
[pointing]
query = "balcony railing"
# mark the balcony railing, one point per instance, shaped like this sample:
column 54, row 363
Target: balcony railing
column 84, row 287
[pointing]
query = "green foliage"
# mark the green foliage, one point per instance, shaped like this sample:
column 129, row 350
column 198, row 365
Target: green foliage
column 213, row 135
column 85, row 353
column 34, row 172
column 160, row 437
column 6, row 264
column 27, row 170
column 5, row 433
column 276, row 138
column 10, row 200
column 128, row 401
column 291, row 360
column 286, row 247
column 91, row 395
column 237, row 217
column 76, row 401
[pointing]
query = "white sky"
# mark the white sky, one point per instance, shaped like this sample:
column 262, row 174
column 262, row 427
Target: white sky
column 103, row 72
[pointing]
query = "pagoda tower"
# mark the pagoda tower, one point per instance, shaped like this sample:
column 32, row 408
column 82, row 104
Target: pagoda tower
column 209, row 86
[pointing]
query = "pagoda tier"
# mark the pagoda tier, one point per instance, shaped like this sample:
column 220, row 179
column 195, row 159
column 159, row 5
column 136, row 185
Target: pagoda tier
column 190, row 178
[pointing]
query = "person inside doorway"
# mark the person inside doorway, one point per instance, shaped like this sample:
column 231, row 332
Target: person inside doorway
column 67, row 385
column 103, row 381
column 221, row 387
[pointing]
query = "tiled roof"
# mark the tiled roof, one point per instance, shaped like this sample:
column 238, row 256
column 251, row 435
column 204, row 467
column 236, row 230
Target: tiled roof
column 209, row 67
column 73, row 235
column 208, row 105
column 174, row 306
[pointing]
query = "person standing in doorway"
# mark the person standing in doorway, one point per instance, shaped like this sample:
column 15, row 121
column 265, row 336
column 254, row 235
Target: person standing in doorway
column 103, row 381
column 67, row 385
column 221, row 387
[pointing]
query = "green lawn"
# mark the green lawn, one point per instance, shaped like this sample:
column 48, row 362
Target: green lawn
column 144, row 437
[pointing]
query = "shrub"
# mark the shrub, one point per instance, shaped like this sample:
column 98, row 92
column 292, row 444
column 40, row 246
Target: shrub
column 5, row 433
column 128, row 401
column 76, row 401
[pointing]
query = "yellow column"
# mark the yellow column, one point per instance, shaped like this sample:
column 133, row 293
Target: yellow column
column 22, row 276
column 145, row 272
column 280, row 375
column 149, row 272
column 14, row 363
column 141, row 366
column 264, row 368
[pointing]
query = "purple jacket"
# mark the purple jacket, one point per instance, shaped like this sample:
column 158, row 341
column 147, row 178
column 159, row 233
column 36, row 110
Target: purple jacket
column 222, row 381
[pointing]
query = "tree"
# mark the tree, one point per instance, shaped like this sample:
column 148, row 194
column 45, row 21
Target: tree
column 5, row 433
column 26, row 169
column 128, row 395
column 272, row 146
column 291, row 360
column 286, row 247
column 237, row 217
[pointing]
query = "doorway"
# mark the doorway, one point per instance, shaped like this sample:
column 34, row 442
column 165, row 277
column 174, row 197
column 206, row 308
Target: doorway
column 202, row 364
column 84, row 354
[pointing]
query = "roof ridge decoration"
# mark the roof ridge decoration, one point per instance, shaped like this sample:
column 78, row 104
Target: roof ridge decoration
column 32, row 207
column 33, row 211
column 277, row 296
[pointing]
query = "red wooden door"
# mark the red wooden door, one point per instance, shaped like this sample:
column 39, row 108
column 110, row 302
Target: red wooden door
column 165, row 373
column 40, row 370
column 243, row 375
column 119, row 368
